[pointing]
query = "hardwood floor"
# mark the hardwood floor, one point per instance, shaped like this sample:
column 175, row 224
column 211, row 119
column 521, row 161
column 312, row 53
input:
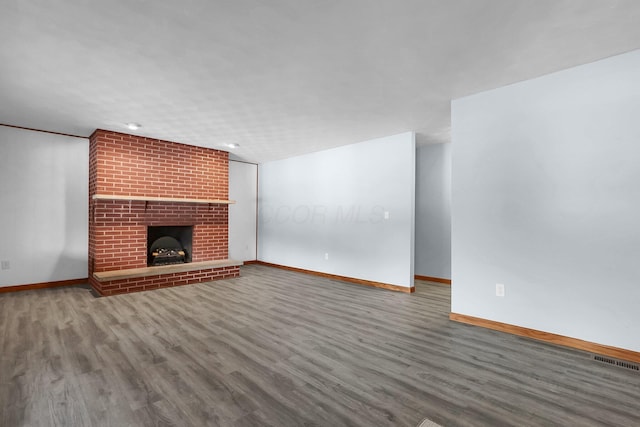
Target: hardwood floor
column 279, row 348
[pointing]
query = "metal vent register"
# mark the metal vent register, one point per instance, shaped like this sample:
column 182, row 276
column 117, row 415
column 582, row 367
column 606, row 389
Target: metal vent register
column 615, row 362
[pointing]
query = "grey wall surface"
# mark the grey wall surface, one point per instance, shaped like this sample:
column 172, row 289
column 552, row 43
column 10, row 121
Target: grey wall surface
column 334, row 202
column 43, row 206
column 243, row 188
column 433, row 211
column 546, row 200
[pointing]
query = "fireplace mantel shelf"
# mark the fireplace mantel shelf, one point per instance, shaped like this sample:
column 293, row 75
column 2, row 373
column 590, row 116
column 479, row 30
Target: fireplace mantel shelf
column 106, row 276
column 161, row 199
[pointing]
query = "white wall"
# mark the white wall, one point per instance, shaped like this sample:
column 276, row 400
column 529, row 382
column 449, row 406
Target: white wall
column 243, row 188
column 546, row 200
column 43, row 206
column 333, row 202
column 433, row 211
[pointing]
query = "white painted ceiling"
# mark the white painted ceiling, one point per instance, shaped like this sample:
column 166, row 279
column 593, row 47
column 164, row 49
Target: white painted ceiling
column 285, row 77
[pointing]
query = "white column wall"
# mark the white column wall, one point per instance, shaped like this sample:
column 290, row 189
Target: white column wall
column 243, row 188
column 546, row 200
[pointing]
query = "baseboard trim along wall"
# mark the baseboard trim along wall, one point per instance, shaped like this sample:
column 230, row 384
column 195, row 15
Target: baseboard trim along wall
column 591, row 347
column 44, row 285
column 337, row 277
column 433, row 279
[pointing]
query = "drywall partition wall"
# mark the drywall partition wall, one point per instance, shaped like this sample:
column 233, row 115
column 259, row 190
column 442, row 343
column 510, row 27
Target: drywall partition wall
column 433, row 211
column 546, row 200
column 243, row 188
column 325, row 211
column 43, row 207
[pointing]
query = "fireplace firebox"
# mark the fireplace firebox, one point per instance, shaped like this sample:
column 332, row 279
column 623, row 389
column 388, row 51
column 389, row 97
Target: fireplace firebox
column 169, row 244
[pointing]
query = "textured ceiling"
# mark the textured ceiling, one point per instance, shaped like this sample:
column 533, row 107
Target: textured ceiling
column 284, row 77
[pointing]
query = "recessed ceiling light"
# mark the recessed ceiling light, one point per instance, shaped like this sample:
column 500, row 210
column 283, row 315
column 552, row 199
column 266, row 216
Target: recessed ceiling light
column 134, row 126
column 233, row 145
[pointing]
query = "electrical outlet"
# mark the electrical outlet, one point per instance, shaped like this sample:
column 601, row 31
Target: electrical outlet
column 326, row 256
column 499, row 290
column 5, row 265
column 386, row 214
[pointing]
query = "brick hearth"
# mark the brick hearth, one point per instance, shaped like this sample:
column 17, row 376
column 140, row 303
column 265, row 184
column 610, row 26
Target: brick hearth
column 122, row 165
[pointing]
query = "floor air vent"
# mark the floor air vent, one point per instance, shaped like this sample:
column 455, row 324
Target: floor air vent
column 619, row 363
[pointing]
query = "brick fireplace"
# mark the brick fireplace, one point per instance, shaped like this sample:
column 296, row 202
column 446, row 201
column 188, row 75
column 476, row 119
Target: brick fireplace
column 137, row 184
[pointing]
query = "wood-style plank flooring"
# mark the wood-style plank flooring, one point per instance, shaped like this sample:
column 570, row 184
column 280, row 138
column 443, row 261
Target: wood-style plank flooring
column 278, row 348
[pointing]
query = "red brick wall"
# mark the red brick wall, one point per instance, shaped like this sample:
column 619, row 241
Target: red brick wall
column 127, row 165
column 93, row 179
column 164, row 281
column 120, row 231
column 138, row 166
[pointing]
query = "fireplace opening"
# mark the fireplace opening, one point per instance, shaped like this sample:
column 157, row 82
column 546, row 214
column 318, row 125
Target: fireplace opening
column 169, row 244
